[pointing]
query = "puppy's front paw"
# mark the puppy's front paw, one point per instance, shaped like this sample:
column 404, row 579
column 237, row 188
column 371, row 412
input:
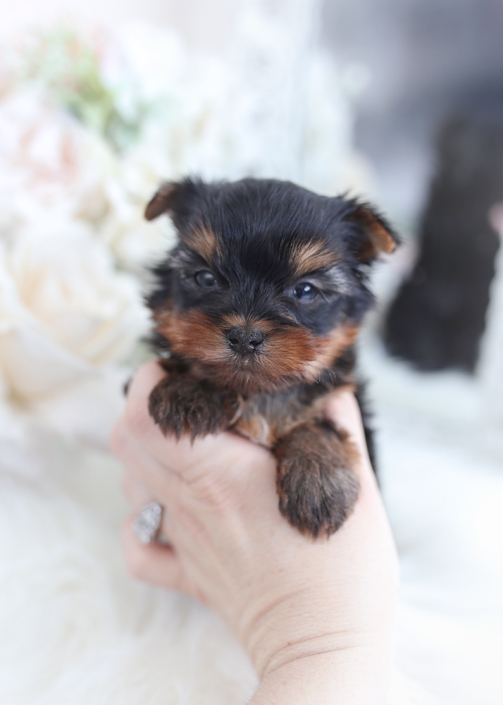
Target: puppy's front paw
column 316, row 486
column 185, row 405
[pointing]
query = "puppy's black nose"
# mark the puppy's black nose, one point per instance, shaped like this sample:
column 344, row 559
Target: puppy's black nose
column 245, row 342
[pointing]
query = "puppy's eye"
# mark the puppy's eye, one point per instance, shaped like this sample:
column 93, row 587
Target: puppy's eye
column 305, row 292
column 205, row 279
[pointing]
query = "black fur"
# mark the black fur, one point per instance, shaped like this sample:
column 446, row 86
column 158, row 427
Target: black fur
column 257, row 308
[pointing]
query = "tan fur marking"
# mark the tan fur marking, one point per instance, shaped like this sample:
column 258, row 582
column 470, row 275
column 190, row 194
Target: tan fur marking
column 311, row 256
column 203, row 241
column 256, row 429
column 235, row 320
column 290, row 353
column 329, row 349
column 193, row 335
column 196, row 337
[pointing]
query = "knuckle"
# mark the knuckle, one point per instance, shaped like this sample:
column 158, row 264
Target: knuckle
column 137, row 419
column 215, row 491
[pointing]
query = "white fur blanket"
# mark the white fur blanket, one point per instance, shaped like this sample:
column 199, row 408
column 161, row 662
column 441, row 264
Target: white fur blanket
column 75, row 628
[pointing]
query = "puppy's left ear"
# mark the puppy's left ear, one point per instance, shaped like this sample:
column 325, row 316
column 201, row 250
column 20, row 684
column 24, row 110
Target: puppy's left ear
column 375, row 235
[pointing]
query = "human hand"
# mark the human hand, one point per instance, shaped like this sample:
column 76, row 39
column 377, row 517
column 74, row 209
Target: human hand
column 311, row 613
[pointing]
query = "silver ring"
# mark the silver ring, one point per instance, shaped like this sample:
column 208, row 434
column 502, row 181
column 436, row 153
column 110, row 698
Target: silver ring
column 148, row 522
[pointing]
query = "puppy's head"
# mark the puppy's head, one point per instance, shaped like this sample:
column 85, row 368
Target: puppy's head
column 266, row 285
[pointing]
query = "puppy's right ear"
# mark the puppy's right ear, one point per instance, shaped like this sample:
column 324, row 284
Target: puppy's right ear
column 162, row 200
column 176, row 198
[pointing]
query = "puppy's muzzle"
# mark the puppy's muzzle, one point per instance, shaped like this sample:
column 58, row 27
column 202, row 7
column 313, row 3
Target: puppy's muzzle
column 245, row 342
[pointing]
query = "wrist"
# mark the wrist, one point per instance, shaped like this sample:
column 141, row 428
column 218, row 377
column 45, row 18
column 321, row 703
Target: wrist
column 305, row 648
column 357, row 675
column 304, row 625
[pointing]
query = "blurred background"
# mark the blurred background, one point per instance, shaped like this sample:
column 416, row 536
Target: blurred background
column 397, row 101
column 412, row 64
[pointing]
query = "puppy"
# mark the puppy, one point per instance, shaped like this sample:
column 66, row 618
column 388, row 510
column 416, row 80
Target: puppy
column 256, row 314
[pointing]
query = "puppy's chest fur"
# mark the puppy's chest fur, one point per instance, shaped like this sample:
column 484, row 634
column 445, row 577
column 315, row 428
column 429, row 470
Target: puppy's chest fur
column 265, row 418
column 262, row 417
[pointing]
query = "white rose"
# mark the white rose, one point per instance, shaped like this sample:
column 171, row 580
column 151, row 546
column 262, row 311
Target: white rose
column 49, row 162
column 65, row 313
column 135, row 242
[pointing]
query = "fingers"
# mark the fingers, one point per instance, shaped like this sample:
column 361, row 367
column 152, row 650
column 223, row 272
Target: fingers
column 146, row 478
column 136, row 492
column 145, row 379
column 152, row 563
column 343, row 410
column 181, row 456
column 137, row 419
column 136, row 423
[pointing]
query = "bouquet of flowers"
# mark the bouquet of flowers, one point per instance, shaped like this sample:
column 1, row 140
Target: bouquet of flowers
column 90, row 124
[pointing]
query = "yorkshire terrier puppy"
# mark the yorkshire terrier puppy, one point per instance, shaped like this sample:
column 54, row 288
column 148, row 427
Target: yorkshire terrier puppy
column 256, row 314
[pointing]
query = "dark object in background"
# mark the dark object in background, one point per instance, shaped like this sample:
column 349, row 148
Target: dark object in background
column 437, row 319
column 258, row 307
